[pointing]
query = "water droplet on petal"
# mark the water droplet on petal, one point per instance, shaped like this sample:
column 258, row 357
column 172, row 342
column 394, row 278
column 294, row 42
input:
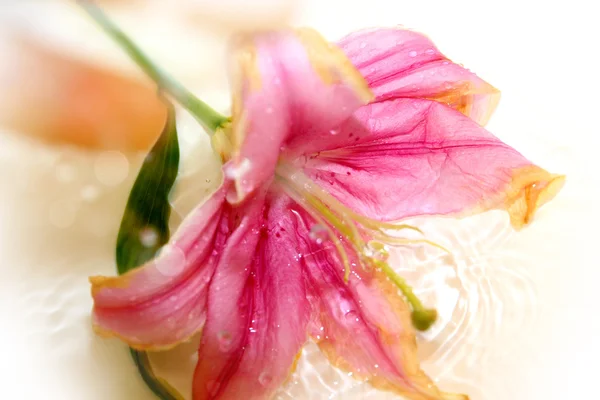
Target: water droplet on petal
column 148, row 236
column 172, row 262
column 352, row 316
column 334, row 132
column 239, row 170
column 224, row 338
column 412, row 53
column 252, row 329
column 430, row 51
column 265, row 379
column 318, row 233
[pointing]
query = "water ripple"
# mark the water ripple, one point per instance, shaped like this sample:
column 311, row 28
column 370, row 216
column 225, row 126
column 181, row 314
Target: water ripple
column 485, row 297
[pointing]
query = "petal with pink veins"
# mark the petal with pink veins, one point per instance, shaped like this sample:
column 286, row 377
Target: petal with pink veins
column 257, row 312
column 401, row 63
column 286, row 84
column 163, row 302
column 363, row 326
column 418, row 157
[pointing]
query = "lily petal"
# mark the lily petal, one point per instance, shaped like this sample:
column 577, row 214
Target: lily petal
column 284, row 83
column 62, row 100
column 163, row 302
column 364, row 327
column 257, row 314
column 401, row 63
column 418, row 157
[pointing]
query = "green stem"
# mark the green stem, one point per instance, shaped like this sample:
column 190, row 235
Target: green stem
column 160, row 387
column 422, row 318
column 148, row 209
column 209, row 118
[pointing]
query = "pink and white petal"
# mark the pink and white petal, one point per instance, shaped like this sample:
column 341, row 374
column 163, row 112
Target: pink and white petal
column 251, row 340
column 163, row 302
column 364, row 326
column 260, row 116
column 325, row 87
column 401, row 63
column 418, row 157
column 284, row 85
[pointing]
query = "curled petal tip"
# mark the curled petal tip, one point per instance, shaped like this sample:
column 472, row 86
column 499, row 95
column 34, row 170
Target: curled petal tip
column 332, row 65
column 100, row 282
column 162, row 303
column 395, row 61
column 133, row 342
column 483, row 174
column 531, row 188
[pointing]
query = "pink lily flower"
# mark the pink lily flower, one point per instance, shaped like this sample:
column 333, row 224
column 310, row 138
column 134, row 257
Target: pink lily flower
column 328, row 148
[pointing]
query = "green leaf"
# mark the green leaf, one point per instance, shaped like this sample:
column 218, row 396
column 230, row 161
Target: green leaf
column 145, row 224
column 145, row 228
column 209, row 118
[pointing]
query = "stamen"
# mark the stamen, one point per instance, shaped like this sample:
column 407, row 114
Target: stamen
column 334, row 204
column 338, row 246
column 324, row 207
column 402, row 242
column 342, row 223
column 422, row 318
column 221, row 143
column 332, row 236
